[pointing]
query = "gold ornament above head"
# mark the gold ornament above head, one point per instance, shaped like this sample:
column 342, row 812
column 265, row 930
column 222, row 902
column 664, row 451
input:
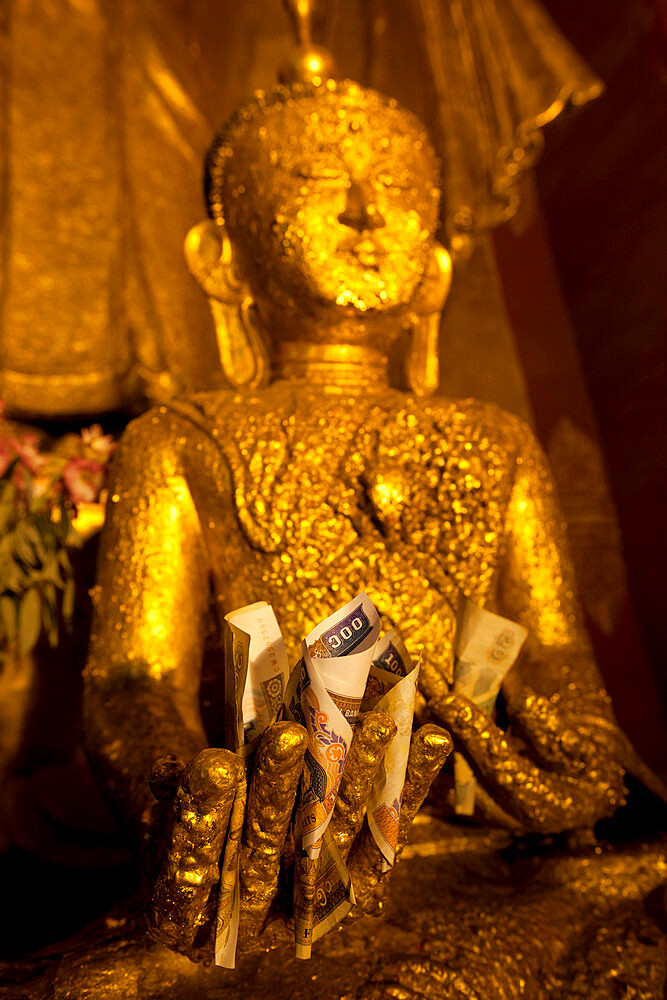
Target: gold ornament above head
column 308, row 63
column 328, row 193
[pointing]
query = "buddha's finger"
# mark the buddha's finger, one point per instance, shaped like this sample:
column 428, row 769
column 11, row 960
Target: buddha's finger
column 559, row 746
column 184, row 899
column 166, row 775
column 429, row 748
column 367, row 874
column 553, row 745
column 373, row 733
column 277, row 769
column 540, row 800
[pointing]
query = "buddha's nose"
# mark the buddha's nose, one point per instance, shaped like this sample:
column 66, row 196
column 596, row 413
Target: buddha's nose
column 360, row 211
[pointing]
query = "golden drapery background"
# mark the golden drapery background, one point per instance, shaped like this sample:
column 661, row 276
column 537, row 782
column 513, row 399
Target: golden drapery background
column 108, row 108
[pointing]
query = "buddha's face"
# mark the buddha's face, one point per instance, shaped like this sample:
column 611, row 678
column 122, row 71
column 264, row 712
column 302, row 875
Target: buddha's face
column 331, row 202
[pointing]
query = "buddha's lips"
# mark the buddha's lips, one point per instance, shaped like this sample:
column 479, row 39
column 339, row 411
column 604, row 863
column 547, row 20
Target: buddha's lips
column 367, row 251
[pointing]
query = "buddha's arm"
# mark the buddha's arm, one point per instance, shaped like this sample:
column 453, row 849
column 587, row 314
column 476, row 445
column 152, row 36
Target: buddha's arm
column 142, row 678
column 536, row 587
column 558, row 764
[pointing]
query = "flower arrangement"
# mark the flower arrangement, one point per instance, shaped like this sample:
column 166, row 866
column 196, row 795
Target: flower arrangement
column 40, row 490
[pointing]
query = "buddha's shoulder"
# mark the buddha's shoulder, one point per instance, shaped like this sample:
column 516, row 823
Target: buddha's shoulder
column 475, row 418
column 224, row 415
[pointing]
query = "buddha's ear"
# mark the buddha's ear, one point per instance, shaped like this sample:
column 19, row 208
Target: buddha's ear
column 243, row 354
column 422, row 362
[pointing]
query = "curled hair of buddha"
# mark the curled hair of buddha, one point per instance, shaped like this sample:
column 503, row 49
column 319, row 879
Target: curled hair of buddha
column 221, row 148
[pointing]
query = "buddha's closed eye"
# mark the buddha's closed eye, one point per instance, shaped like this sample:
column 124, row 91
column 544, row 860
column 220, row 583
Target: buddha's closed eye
column 320, row 172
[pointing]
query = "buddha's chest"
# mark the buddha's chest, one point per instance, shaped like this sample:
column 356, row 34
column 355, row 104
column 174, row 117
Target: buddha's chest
column 328, row 502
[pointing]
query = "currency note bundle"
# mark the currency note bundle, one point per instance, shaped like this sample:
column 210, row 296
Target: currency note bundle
column 325, row 695
column 256, row 674
column 344, row 667
column 485, row 647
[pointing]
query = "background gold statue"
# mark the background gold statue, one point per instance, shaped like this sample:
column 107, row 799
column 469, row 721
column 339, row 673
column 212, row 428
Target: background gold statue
column 325, row 200
column 94, row 291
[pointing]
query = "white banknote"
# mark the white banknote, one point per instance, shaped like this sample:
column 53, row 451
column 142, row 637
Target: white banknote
column 485, row 647
column 391, row 688
column 256, row 673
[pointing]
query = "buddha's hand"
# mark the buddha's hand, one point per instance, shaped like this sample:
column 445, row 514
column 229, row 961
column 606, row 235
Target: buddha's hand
column 185, row 899
column 205, row 813
column 554, row 769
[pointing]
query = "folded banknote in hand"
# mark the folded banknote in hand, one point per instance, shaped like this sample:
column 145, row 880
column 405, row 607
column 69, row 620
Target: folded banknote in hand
column 345, row 667
column 256, row 674
column 325, row 694
column 485, row 647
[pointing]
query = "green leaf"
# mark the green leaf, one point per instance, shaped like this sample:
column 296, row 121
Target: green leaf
column 50, row 613
column 8, row 616
column 6, row 510
column 62, row 527
column 44, row 527
column 49, row 604
column 68, row 602
column 23, row 550
column 30, row 621
column 63, row 559
column 51, row 571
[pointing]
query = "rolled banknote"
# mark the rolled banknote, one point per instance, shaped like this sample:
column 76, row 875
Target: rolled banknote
column 325, row 694
column 336, row 659
column 258, row 694
column 391, row 688
column 256, row 673
column 485, row 647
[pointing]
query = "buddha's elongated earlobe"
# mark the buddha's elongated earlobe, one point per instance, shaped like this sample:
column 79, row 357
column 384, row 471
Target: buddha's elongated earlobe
column 243, row 354
column 422, row 362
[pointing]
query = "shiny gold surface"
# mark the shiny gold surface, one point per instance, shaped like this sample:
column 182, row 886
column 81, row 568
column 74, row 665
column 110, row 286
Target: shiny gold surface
column 96, row 304
column 327, row 482
column 95, row 300
column 509, row 66
column 185, row 897
column 430, row 746
column 465, row 919
column 272, row 795
column 372, row 736
column 341, row 215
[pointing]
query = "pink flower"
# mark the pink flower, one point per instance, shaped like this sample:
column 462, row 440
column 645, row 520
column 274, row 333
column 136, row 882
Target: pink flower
column 83, row 478
column 27, row 452
column 98, row 444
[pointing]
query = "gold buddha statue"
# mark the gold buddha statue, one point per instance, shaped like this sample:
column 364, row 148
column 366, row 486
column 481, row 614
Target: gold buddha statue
column 313, row 479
